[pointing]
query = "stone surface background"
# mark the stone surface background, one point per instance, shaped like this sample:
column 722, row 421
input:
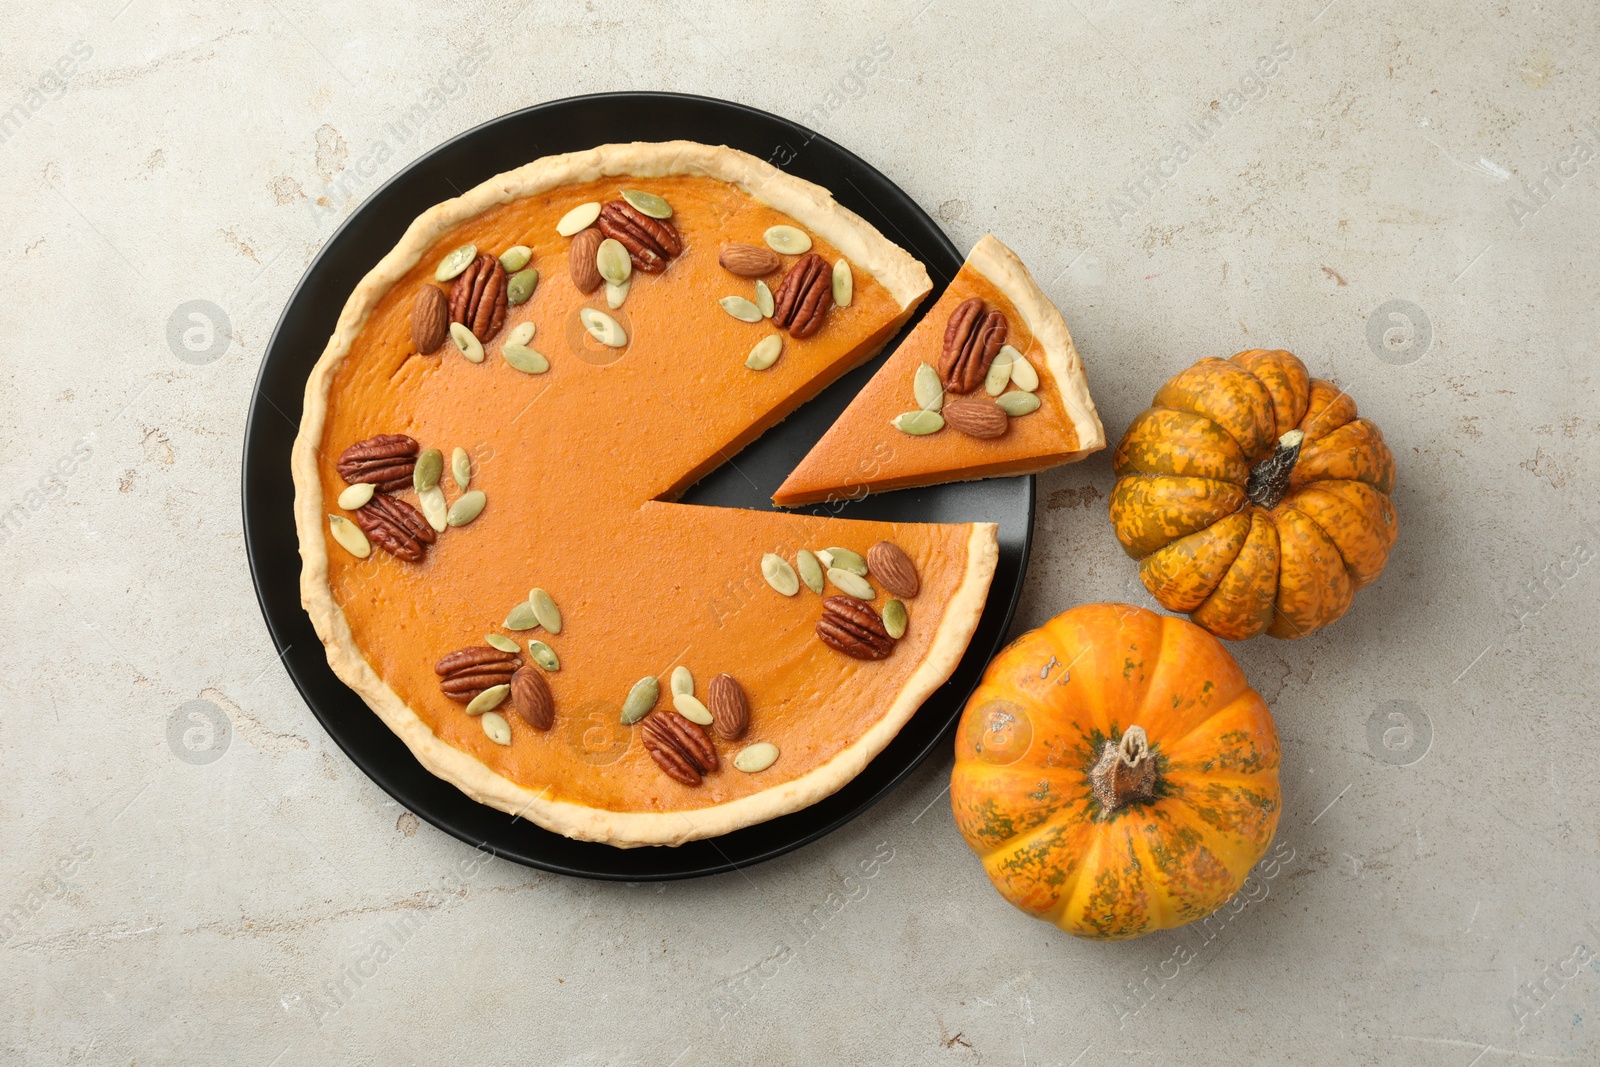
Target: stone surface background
column 1402, row 201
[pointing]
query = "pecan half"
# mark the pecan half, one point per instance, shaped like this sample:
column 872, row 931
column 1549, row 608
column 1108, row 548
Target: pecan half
column 849, row 626
column 650, row 242
column 972, row 339
column 385, row 460
column 804, row 297
column 466, row 672
column 679, row 747
column 730, row 711
column 397, row 527
column 478, row 298
column 530, row 695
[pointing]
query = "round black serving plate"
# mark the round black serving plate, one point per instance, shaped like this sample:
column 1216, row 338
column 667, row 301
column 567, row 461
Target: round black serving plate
column 308, row 320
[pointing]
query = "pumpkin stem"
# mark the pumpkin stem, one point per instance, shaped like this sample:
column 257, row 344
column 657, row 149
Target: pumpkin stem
column 1125, row 773
column 1269, row 479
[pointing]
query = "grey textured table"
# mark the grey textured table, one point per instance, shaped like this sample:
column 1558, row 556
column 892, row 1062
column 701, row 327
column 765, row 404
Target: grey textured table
column 1405, row 195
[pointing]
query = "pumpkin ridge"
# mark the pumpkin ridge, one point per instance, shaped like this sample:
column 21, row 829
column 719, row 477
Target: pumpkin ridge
column 1231, row 704
column 1332, row 540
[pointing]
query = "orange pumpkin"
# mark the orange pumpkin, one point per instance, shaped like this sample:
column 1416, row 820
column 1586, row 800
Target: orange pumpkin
column 1115, row 773
column 1254, row 497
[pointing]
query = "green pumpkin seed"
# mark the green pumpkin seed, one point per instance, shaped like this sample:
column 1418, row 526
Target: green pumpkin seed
column 496, row 727
column 641, row 700
column 648, row 203
column 687, row 705
column 467, row 507
column 515, row 258
column 847, row 560
column 764, row 299
column 776, row 570
column 578, row 219
column 522, row 617
column 810, row 570
column 616, row 266
column 765, row 353
column 895, row 619
column 918, row 423
column 1023, row 376
column 520, row 286
column 1018, row 404
column 682, row 681
column 454, row 263
column 349, row 536
column 844, row 283
column 461, row 467
column 740, row 308
column 425, row 475
column 357, row 495
column 520, row 334
column 757, row 757
column 603, row 328
column 544, row 656
column 927, row 388
column 787, row 240
column 616, row 294
column 434, row 508
column 545, row 610
column 525, row 359
column 488, row 700
column 466, row 342
column 999, row 376
column 502, row 642
column 851, row 584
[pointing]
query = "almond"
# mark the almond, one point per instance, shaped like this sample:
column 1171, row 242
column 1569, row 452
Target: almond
column 530, row 695
column 585, row 271
column 730, row 712
column 748, row 261
column 893, row 568
column 430, row 319
column 976, row 417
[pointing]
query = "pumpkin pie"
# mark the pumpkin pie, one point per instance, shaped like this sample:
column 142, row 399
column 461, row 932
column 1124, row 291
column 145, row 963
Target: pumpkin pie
column 988, row 384
column 486, row 472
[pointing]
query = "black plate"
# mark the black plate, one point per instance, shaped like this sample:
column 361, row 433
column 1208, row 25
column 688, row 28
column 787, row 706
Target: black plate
column 308, row 320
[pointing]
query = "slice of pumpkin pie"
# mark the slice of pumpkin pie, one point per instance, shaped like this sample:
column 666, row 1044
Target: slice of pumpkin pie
column 988, row 384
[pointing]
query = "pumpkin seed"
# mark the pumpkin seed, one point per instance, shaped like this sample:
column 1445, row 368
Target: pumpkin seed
column 521, row 617
column 776, row 570
column 515, row 258
column 825, row 558
column 648, row 203
column 682, row 681
column 520, row 286
column 847, row 560
column 616, row 266
column 844, row 283
column 764, row 299
column 525, row 359
column 740, row 308
column 488, row 700
column 454, row 263
column 461, row 467
column 810, row 570
column 757, row 757
column 641, row 699
column 895, row 619
column 466, row 342
column 467, row 507
column 918, row 423
column 1023, row 376
column 349, row 536
column 425, row 475
column 579, row 218
column 502, row 642
column 544, row 656
column 545, row 610
column 520, row 334
column 999, row 376
column 616, row 294
column 603, row 328
column 357, row 495
column 786, row 240
column 434, row 508
column 1019, row 404
column 927, row 388
column 765, row 353
column 851, row 584
column 691, row 708
column 496, row 727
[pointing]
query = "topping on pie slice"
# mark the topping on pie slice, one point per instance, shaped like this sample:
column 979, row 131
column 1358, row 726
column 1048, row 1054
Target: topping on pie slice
column 987, row 384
